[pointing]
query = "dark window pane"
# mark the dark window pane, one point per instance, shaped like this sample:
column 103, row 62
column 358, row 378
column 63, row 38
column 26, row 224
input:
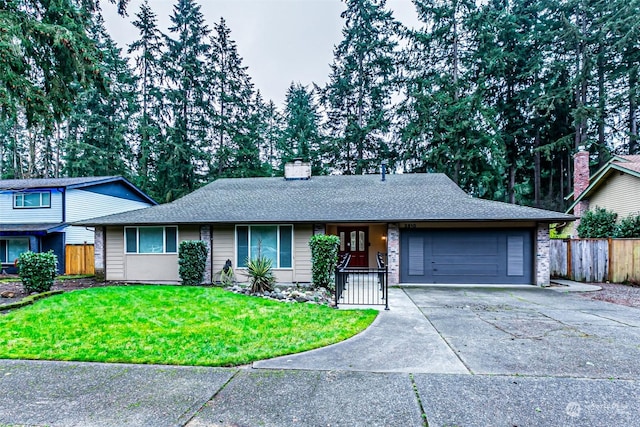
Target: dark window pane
column 32, row 200
column 150, row 240
column 264, row 242
column 46, row 200
column 171, row 239
column 131, row 237
column 3, row 251
column 243, row 245
column 285, row 246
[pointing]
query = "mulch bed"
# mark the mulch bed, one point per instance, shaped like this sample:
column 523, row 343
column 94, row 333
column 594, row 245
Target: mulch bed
column 63, row 285
column 616, row 293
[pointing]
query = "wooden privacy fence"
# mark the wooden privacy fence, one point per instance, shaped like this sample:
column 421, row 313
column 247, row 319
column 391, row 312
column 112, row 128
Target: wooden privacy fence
column 596, row 260
column 79, row 259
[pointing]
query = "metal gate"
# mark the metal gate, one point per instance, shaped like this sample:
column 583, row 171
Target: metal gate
column 362, row 286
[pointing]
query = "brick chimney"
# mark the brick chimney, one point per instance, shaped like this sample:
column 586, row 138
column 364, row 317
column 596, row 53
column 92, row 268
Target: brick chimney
column 580, row 182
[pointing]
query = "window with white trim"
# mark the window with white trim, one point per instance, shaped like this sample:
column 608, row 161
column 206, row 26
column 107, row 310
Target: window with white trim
column 10, row 249
column 274, row 242
column 32, row 200
column 151, row 240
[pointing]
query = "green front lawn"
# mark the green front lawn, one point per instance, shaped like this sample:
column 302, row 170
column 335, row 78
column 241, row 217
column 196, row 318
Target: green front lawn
column 171, row 325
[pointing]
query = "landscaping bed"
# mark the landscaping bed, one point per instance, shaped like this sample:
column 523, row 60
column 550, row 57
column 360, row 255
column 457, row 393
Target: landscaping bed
column 616, row 293
column 11, row 287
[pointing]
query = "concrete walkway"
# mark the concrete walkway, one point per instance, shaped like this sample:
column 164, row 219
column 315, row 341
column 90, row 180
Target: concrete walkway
column 383, row 347
column 450, row 356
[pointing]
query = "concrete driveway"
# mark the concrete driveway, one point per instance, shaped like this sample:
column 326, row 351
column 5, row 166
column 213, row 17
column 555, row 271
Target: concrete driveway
column 450, row 356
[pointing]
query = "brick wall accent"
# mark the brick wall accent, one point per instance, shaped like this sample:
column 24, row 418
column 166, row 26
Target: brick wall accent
column 205, row 236
column 393, row 253
column 543, row 260
column 580, row 183
column 98, row 255
column 580, row 173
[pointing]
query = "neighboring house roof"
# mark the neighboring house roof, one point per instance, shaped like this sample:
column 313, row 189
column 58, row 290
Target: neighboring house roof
column 69, row 183
column 19, row 228
column 344, row 198
column 625, row 164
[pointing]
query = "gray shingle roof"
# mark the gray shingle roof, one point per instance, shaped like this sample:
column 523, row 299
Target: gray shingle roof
column 30, row 227
column 355, row 198
column 23, row 184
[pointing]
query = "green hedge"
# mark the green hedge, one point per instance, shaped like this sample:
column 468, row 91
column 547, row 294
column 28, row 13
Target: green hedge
column 37, row 271
column 192, row 261
column 324, row 258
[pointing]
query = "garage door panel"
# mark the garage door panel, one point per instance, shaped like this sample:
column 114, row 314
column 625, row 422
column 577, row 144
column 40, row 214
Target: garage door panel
column 470, row 245
column 442, row 270
column 485, row 256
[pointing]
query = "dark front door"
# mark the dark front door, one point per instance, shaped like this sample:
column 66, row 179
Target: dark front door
column 355, row 241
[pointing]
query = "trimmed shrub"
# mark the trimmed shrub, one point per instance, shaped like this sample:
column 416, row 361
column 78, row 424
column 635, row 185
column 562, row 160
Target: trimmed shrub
column 37, row 271
column 599, row 223
column 628, row 227
column 192, row 261
column 324, row 258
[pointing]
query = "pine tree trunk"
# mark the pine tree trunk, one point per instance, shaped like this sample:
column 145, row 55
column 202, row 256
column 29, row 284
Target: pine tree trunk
column 536, row 169
column 602, row 148
column 633, row 106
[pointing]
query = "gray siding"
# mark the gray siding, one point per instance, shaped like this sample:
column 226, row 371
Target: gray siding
column 302, row 253
column 9, row 215
column 86, row 204
column 114, row 248
column 223, row 247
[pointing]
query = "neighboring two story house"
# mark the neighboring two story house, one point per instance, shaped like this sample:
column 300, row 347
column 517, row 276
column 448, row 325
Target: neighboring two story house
column 35, row 213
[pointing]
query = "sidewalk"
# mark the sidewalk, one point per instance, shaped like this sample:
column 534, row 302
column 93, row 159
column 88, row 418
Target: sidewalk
column 539, row 359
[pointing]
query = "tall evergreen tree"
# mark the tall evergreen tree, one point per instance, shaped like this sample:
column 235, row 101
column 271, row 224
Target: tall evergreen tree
column 46, row 57
column 101, row 123
column 183, row 157
column 230, row 94
column 148, row 54
column 358, row 95
column 445, row 125
column 301, row 137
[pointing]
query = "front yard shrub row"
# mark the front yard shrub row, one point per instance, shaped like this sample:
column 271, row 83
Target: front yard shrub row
column 324, row 258
column 37, row 271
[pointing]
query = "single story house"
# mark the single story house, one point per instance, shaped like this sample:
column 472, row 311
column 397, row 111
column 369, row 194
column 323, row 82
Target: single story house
column 430, row 229
column 615, row 186
column 35, row 214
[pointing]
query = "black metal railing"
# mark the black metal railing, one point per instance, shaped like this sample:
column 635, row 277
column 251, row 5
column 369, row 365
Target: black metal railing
column 362, row 286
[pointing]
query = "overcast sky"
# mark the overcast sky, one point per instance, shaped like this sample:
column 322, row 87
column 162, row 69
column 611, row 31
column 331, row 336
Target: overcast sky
column 281, row 41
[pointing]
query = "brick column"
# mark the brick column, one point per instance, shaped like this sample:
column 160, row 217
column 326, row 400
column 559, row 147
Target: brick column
column 393, row 253
column 580, row 183
column 543, row 260
column 205, row 236
column 98, row 254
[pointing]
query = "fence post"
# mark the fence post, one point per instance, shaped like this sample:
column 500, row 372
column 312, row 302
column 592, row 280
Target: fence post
column 609, row 259
column 569, row 259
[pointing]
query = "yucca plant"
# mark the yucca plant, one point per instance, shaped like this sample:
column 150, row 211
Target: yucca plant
column 260, row 274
